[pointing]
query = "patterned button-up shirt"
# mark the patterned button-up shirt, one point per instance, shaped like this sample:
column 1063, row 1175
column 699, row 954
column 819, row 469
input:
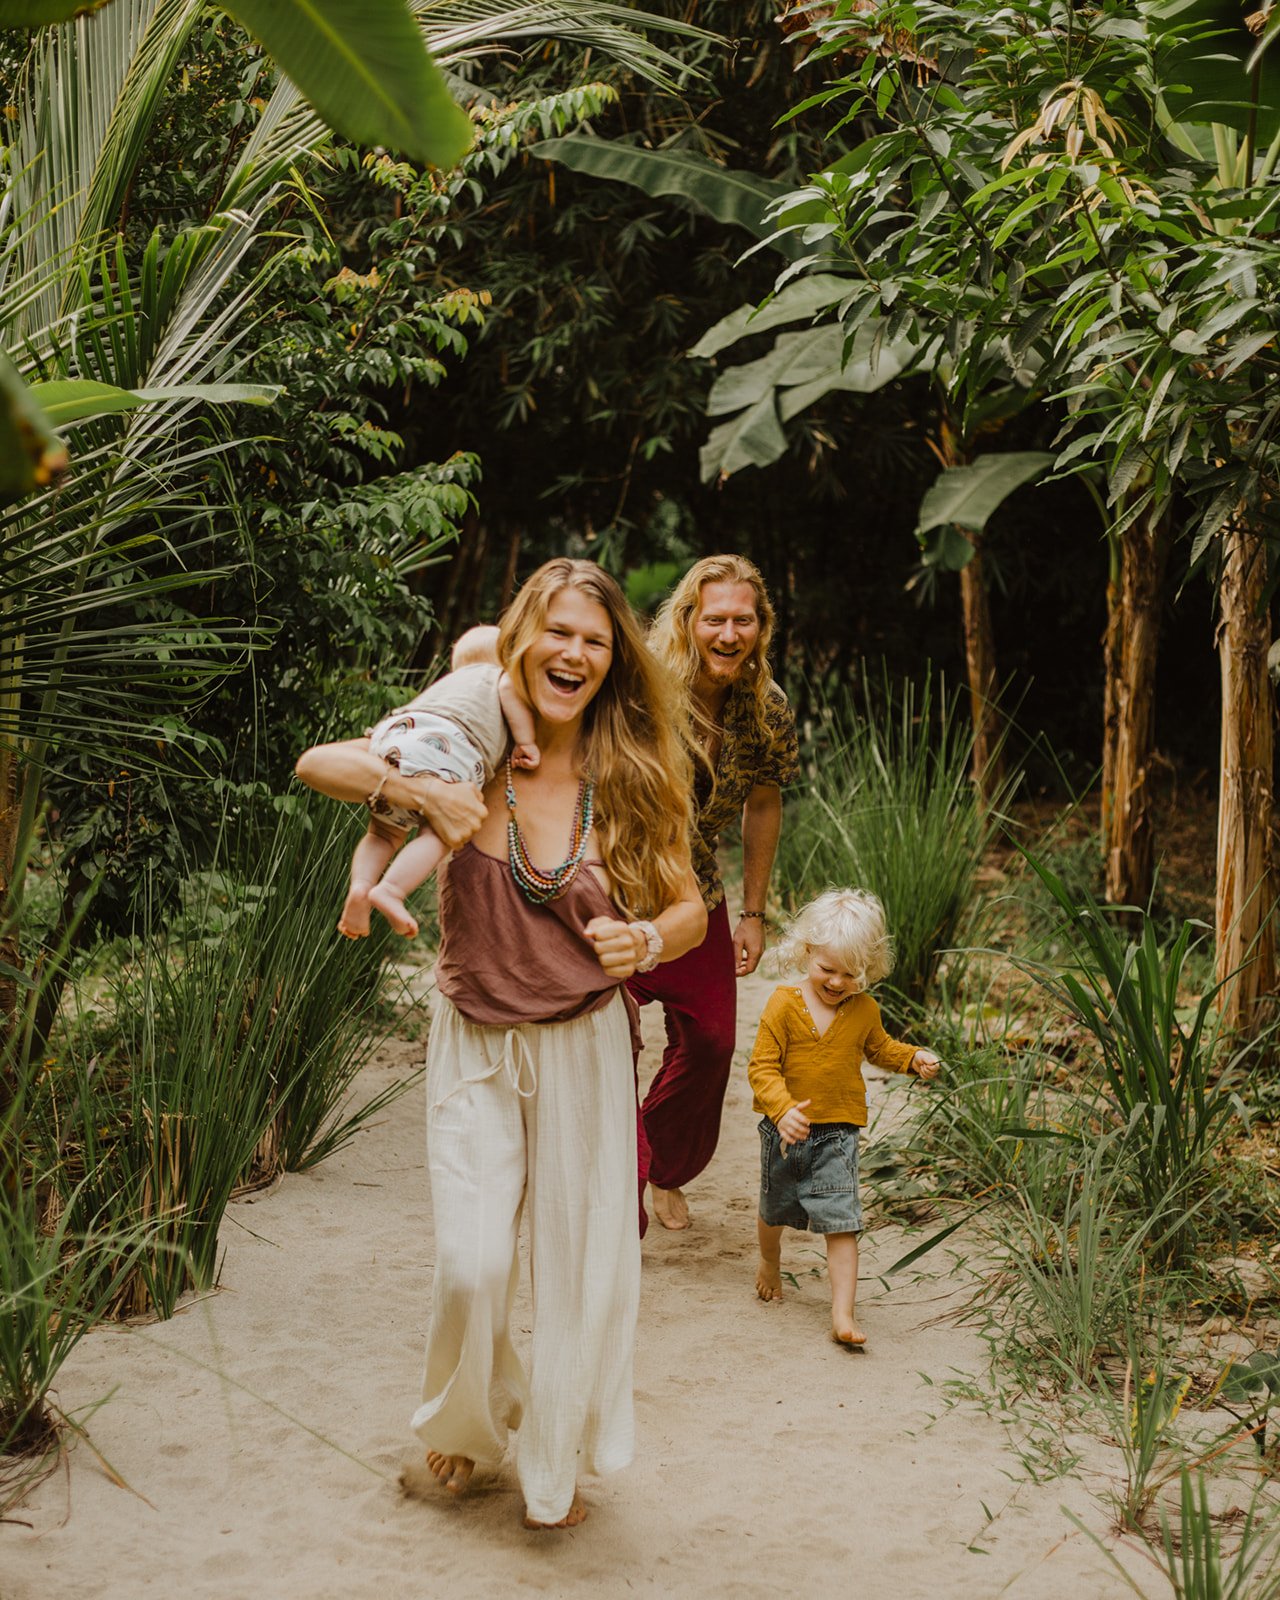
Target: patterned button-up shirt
column 747, row 758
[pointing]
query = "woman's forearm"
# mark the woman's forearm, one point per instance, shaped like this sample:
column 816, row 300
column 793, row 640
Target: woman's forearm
column 683, row 925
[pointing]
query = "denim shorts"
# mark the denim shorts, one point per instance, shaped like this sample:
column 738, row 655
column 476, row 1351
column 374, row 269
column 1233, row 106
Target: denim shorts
column 812, row 1185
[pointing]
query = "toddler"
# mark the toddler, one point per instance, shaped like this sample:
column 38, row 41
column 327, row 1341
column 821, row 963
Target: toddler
column 806, row 1073
column 456, row 730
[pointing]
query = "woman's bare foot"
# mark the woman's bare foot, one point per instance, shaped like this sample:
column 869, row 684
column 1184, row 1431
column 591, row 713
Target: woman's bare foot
column 769, row 1279
column 577, row 1513
column 452, row 1471
column 354, row 921
column 393, row 909
column 670, row 1207
column 846, row 1331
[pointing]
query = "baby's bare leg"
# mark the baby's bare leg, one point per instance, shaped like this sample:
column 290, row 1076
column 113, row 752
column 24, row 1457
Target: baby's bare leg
column 368, row 863
column 842, row 1269
column 410, row 869
column 769, row 1272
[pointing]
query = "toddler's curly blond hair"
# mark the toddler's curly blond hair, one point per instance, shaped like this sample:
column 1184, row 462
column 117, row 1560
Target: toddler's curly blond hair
column 848, row 922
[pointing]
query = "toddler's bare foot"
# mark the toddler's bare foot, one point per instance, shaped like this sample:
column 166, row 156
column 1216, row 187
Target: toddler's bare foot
column 670, row 1207
column 846, row 1331
column 393, row 909
column 576, row 1514
column 769, row 1279
column 354, row 921
column 452, row 1471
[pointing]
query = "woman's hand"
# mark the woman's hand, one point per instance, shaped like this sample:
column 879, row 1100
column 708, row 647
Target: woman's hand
column 453, row 811
column 620, row 946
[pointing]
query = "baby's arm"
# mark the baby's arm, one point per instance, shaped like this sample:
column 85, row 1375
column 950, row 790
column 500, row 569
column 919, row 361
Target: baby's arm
column 519, row 717
column 766, row 1077
column 892, row 1055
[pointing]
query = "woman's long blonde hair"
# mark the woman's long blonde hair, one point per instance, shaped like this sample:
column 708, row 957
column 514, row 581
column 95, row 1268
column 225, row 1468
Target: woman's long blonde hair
column 634, row 744
column 671, row 638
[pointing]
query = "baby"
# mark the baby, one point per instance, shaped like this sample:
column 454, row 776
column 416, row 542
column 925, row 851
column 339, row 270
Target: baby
column 457, row 730
column 806, row 1073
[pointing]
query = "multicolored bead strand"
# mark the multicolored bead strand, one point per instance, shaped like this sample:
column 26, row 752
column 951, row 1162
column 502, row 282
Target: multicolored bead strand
column 536, row 885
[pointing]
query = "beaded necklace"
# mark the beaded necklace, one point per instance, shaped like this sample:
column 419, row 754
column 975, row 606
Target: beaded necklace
column 536, row 885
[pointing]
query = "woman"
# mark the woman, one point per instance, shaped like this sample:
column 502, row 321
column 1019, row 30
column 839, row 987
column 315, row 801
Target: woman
column 530, row 1089
column 713, row 636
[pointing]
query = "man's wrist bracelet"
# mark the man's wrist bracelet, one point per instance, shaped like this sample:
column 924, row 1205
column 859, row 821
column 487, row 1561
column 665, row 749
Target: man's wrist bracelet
column 761, row 914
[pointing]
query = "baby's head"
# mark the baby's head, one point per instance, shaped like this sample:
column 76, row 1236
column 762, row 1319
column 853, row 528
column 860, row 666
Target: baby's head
column 845, row 925
column 478, row 647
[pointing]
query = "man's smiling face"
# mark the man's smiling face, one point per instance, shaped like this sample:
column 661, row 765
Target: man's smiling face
column 725, row 630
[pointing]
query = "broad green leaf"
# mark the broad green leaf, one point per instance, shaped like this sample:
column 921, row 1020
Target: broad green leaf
column 68, row 400
column 365, row 67
column 41, row 13
column 871, row 365
column 752, row 439
column 31, row 456
column 1202, row 66
column 738, row 198
column 803, row 298
column 968, row 495
column 795, row 358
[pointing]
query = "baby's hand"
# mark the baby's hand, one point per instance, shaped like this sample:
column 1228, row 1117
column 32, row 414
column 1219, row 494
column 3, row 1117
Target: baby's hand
column 793, row 1125
column 926, row 1065
column 525, row 756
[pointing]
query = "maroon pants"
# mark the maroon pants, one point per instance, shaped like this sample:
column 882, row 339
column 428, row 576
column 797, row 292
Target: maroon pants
column 680, row 1117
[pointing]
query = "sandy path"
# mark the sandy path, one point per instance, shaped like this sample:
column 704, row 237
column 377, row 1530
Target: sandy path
column 266, row 1425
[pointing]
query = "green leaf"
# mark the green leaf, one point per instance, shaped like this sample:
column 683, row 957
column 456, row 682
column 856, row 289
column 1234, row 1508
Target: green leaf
column 803, row 298
column 1202, row 66
column 31, row 455
column 68, row 400
column 41, row 13
column 738, row 198
column 365, row 67
column 968, row 495
column 753, row 439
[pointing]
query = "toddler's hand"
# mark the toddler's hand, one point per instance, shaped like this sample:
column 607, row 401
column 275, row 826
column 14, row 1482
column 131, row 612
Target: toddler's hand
column 793, row 1125
column 926, row 1064
column 525, row 756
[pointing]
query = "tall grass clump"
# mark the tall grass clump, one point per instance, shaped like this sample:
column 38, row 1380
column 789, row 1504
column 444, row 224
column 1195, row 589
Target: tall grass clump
column 235, row 1037
column 1169, row 1076
column 890, row 807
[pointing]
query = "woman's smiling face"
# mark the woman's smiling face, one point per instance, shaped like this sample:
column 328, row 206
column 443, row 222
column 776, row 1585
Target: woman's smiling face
column 570, row 658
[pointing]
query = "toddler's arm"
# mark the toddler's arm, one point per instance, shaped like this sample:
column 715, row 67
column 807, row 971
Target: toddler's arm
column 768, row 1056
column 892, row 1055
column 519, row 717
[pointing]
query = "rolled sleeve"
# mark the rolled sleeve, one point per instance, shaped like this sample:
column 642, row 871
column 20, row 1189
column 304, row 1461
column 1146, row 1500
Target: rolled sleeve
column 780, row 759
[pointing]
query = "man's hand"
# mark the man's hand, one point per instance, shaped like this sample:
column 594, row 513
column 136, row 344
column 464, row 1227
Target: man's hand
column 620, row 946
column 454, row 811
column 748, row 945
column 793, row 1125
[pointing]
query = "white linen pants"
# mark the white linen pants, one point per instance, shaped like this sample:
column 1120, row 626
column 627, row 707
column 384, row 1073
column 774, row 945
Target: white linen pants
column 542, row 1115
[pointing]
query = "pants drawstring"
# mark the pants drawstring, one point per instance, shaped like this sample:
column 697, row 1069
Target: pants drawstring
column 517, row 1062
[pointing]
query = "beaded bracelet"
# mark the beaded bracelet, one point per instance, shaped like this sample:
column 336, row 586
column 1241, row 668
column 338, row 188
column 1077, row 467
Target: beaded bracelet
column 761, row 914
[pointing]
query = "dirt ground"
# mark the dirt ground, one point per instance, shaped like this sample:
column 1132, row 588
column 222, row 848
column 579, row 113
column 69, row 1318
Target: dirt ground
column 261, row 1432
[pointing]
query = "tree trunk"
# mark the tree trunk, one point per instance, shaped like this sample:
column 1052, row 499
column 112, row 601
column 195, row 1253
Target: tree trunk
column 1132, row 647
column 980, row 664
column 1246, row 880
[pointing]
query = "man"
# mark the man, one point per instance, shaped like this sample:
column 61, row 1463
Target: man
column 713, row 635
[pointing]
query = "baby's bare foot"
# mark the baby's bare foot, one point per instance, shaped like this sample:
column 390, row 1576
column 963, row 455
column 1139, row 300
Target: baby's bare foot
column 577, row 1513
column 354, row 921
column 393, row 909
column 846, row 1331
column 670, row 1207
column 452, row 1471
column 769, row 1279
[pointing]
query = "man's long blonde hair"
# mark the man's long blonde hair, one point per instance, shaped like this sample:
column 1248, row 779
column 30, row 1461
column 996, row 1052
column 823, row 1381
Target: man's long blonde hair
column 671, row 638
column 634, row 744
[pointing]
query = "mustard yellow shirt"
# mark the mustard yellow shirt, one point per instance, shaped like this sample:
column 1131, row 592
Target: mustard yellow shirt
column 791, row 1062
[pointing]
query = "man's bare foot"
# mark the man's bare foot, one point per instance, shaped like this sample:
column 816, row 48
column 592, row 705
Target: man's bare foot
column 452, row 1471
column 354, row 921
column 393, row 909
column 577, row 1513
column 670, row 1207
column 769, row 1279
column 845, row 1331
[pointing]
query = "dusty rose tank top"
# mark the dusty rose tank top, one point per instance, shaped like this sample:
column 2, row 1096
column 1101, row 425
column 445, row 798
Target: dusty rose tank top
column 503, row 961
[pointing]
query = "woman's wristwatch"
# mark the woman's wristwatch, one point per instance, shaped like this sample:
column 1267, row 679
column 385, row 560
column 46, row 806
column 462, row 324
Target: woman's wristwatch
column 653, row 946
